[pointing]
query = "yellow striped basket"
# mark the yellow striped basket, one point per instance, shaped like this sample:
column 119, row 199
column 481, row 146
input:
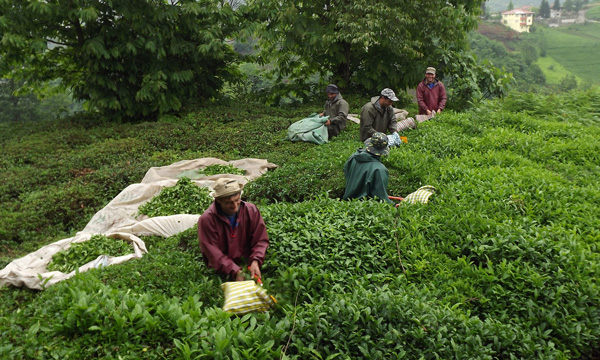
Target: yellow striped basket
column 242, row 297
column 421, row 196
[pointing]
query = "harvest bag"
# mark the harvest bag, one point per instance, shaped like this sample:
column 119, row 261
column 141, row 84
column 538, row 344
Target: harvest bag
column 407, row 124
column 311, row 129
column 242, row 297
column 421, row 195
column 423, row 118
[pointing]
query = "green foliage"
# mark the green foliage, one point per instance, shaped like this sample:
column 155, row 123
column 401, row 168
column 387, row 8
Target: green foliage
column 556, row 5
column 544, row 11
column 569, row 47
column 527, row 77
column 501, row 263
column 184, row 198
column 593, row 13
column 469, row 82
column 529, row 52
column 542, row 43
column 82, row 253
column 350, row 39
column 317, row 171
column 222, row 169
column 173, row 50
column 32, row 107
column 569, row 82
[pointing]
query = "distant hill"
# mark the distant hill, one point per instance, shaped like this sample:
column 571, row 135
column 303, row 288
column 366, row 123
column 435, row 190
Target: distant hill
column 499, row 32
column 502, row 5
column 571, row 49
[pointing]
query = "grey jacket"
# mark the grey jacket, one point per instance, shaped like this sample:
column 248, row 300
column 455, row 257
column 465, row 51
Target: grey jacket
column 337, row 110
column 375, row 119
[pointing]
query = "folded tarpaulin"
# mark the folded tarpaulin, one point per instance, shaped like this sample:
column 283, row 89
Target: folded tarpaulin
column 311, row 129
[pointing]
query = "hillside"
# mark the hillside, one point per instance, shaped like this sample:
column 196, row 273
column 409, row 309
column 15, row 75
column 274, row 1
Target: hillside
column 503, row 262
column 570, row 50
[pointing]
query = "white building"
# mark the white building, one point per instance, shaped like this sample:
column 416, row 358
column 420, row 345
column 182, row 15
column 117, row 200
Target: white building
column 518, row 19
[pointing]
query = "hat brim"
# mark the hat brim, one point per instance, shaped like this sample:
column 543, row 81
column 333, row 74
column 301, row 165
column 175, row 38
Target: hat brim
column 375, row 151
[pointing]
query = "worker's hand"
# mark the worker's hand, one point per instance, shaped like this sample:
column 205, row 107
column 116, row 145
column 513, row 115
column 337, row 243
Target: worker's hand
column 328, row 122
column 239, row 276
column 439, row 111
column 428, row 112
column 322, row 114
column 255, row 269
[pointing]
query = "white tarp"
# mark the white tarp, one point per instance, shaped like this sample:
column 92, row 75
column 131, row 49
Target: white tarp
column 119, row 220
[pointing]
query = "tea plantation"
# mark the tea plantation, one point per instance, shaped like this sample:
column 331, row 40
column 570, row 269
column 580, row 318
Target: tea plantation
column 502, row 263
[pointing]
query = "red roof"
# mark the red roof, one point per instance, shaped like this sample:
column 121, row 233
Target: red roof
column 519, row 11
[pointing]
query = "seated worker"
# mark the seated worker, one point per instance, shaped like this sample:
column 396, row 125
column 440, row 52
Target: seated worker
column 378, row 115
column 366, row 176
column 337, row 109
column 232, row 231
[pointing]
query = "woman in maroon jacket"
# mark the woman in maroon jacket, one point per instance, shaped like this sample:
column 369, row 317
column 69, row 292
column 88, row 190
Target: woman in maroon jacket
column 232, row 231
column 431, row 94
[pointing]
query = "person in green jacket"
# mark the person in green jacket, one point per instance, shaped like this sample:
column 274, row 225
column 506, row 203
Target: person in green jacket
column 337, row 109
column 378, row 115
column 366, row 176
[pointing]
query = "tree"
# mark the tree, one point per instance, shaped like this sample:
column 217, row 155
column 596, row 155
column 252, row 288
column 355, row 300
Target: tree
column 569, row 5
column 544, row 10
column 363, row 44
column 569, row 82
column 556, row 5
column 510, row 6
column 129, row 58
column 542, row 43
column 529, row 52
column 46, row 103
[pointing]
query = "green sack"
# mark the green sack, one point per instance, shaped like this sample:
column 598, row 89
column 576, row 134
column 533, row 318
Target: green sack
column 311, row 129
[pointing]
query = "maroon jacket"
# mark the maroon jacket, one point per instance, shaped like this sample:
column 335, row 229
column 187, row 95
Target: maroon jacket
column 223, row 247
column 432, row 99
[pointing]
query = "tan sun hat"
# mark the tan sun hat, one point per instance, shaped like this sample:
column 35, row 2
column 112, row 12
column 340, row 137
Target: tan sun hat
column 226, row 187
column 430, row 70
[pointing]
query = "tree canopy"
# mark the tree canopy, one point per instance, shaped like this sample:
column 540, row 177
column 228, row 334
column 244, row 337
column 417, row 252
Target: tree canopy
column 131, row 58
column 544, row 9
column 556, row 5
column 362, row 44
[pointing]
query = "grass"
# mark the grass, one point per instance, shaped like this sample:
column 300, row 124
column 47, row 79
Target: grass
column 593, row 13
column 553, row 70
column 576, row 48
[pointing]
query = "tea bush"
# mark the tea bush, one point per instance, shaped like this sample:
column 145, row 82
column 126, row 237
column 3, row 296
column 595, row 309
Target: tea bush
column 502, row 262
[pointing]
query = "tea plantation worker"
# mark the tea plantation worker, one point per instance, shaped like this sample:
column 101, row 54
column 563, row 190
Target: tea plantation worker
column 378, row 115
column 431, row 94
column 337, row 109
column 232, row 231
column 366, row 176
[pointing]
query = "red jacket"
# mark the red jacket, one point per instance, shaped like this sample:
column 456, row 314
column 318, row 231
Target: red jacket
column 223, row 247
column 431, row 99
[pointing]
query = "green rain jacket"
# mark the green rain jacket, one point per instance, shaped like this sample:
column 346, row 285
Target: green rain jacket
column 373, row 118
column 366, row 177
column 337, row 110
